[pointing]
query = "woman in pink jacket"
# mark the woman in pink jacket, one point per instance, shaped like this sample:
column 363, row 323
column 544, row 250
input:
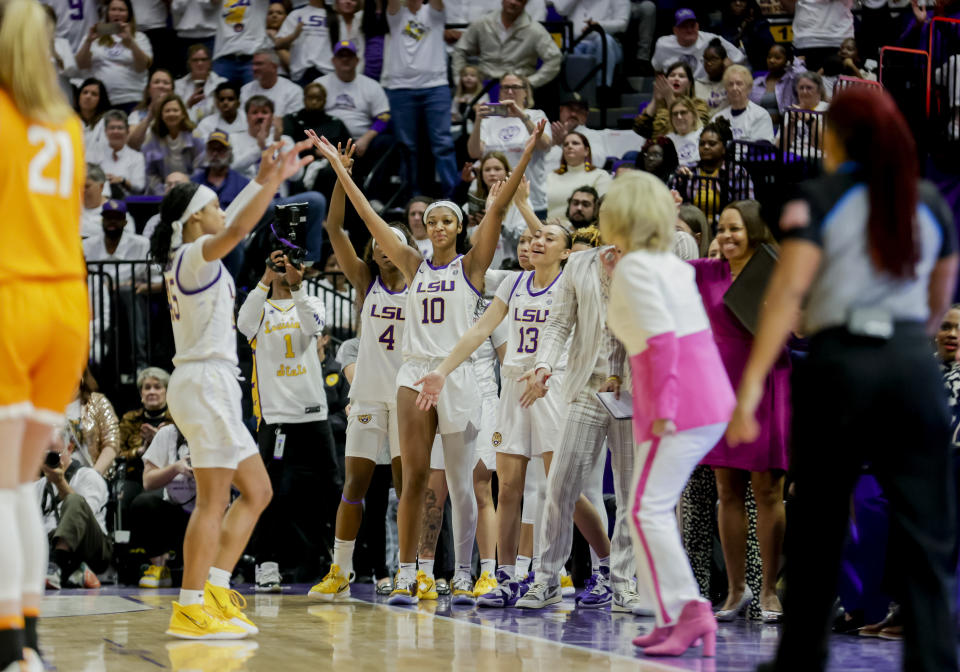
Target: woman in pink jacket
column 682, row 399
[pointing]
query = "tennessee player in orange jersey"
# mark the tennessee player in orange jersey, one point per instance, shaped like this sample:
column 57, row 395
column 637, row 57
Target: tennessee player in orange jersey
column 43, row 305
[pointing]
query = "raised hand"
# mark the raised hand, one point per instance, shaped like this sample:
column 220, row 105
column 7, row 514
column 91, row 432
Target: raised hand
column 535, row 136
column 326, row 149
column 279, row 166
column 430, row 392
column 346, row 153
column 293, row 274
column 495, row 190
column 536, row 381
column 523, row 191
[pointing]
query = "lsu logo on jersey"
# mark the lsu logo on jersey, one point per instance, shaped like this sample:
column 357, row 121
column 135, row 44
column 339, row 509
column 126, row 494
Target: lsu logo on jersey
column 497, row 439
column 365, row 418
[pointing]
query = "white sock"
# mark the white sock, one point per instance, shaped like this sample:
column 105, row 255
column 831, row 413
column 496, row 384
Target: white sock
column 188, row 597
column 464, row 570
column 11, row 556
column 509, row 570
column 425, row 565
column 523, row 565
column 407, row 572
column 219, row 577
column 33, row 540
column 489, row 566
column 343, row 555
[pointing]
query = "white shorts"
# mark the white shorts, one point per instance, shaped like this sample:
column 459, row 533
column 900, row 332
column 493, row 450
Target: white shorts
column 528, row 432
column 436, row 455
column 204, row 400
column 373, row 432
column 486, row 452
column 459, row 403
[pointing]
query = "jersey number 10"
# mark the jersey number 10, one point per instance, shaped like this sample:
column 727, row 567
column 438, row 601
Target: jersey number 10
column 433, row 310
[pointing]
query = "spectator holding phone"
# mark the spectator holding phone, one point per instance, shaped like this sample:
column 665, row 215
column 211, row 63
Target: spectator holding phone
column 506, row 126
column 197, row 87
column 118, row 55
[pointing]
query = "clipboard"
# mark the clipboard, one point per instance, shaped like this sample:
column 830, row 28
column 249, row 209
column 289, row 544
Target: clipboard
column 619, row 409
column 745, row 296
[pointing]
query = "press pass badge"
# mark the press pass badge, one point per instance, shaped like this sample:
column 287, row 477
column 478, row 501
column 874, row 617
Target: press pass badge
column 278, row 446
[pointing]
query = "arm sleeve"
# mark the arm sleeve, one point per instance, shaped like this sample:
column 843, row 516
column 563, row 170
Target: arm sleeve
column 246, row 195
column 250, row 315
column 559, row 323
column 160, row 450
column 288, row 25
column 500, row 335
column 144, row 43
column 310, row 312
column 617, row 18
column 465, row 47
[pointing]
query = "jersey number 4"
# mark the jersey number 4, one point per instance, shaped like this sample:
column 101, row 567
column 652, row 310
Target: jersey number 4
column 53, row 142
column 387, row 337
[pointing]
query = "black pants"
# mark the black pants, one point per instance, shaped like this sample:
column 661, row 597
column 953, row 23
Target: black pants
column 371, row 552
column 79, row 529
column 157, row 526
column 297, row 527
column 862, row 401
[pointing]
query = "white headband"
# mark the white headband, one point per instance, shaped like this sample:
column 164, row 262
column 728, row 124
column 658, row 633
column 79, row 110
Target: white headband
column 444, row 204
column 201, row 197
column 397, row 232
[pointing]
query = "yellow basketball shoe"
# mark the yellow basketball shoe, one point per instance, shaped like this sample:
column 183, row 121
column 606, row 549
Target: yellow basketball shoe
column 334, row 587
column 426, row 586
column 227, row 604
column 566, row 585
column 484, row 584
column 194, row 622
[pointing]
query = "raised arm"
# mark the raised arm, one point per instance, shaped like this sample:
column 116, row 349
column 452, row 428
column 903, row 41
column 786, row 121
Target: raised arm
column 468, row 343
column 522, row 201
column 275, row 167
column 477, row 260
column 405, row 257
column 352, row 266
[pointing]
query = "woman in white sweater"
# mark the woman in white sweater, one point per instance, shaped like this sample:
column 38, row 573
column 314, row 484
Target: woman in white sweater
column 576, row 170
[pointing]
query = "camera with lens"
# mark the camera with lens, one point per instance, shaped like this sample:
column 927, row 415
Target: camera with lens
column 289, row 231
column 52, row 460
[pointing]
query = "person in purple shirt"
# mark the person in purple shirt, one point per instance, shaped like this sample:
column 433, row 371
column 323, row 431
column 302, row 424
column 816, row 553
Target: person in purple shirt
column 217, row 174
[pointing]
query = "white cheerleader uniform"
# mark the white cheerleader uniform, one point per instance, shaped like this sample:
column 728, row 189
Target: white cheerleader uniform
column 203, row 395
column 528, row 432
column 372, row 428
column 441, row 306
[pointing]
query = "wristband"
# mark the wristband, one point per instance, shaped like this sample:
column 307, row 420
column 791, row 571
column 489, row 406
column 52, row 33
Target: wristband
column 615, row 379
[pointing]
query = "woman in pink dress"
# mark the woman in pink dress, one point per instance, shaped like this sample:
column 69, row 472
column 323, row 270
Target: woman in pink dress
column 763, row 463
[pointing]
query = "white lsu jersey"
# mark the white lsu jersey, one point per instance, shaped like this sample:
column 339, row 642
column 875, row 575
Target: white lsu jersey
column 527, row 311
column 441, row 306
column 382, row 321
column 287, row 373
column 201, row 297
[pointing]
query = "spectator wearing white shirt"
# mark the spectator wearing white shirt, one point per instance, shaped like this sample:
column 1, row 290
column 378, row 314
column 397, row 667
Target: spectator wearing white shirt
column 417, row 88
column 748, row 121
column 74, row 18
column 93, row 200
column 308, row 33
column 611, row 15
column 124, row 167
column 241, row 30
column 120, row 58
column 819, row 28
column 358, row 101
column 287, row 97
column 195, row 22
column 73, row 500
column 196, row 88
column 90, row 103
column 61, row 54
column 227, row 117
column 688, row 43
column 114, row 243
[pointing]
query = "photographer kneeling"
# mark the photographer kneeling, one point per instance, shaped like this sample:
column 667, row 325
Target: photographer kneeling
column 291, row 406
column 73, row 499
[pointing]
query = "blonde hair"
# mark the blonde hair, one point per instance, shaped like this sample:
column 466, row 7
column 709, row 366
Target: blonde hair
column 688, row 103
column 639, row 212
column 26, row 69
column 528, row 104
column 737, row 70
column 459, row 92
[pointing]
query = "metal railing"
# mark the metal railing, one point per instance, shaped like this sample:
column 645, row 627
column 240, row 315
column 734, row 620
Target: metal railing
column 943, row 92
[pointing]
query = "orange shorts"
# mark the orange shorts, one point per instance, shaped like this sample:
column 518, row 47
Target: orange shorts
column 44, row 332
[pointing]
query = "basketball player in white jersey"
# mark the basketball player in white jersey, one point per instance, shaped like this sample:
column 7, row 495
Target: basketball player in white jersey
column 524, row 299
column 372, row 424
column 204, row 396
column 441, row 307
column 289, row 399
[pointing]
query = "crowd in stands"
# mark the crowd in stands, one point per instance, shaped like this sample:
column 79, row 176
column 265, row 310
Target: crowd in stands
column 171, row 92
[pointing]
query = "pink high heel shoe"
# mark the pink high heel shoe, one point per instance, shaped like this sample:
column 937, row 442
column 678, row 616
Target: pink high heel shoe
column 696, row 621
column 656, row 636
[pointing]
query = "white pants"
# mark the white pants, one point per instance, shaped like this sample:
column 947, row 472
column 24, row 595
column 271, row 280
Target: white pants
column 455, row 454
column 663, row 467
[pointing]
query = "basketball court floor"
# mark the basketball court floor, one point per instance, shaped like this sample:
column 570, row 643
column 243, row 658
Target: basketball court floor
column 121, row 629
